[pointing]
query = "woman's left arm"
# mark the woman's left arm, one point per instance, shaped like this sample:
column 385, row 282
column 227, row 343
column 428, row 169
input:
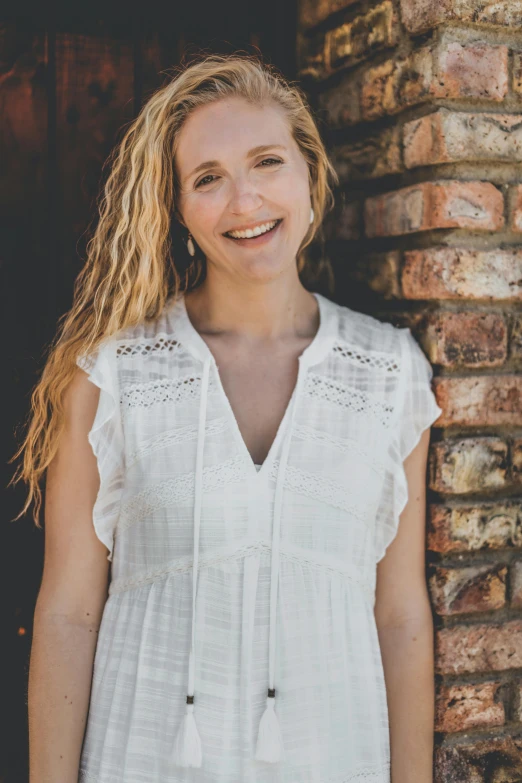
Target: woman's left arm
column 405, row 626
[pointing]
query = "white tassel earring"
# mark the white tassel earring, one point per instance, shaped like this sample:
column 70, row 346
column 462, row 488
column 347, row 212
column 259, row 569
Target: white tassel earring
column 311, row 215
column 190, row 246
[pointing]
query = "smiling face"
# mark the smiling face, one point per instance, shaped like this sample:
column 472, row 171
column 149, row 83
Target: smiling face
column 240, row 169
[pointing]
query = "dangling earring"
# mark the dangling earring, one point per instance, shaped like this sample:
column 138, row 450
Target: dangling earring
column 311, row 215
column 190, row 246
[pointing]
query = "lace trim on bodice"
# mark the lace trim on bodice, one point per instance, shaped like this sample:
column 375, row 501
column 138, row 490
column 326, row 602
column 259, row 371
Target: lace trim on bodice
column 351, row 398
column 144, row 395
column 231, row 552
column 177, row 435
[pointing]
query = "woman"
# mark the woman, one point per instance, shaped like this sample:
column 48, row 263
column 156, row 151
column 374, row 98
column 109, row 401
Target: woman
column 236, row 446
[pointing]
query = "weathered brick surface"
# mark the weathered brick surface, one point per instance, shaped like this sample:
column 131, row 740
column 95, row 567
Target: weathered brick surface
column 450, row 69
column 311, row 12
column 480, row 588
column 340, row 106
column 485, row 343
column 447, row 136
column 516, row 337
column 480, row 400
column 516, row 584
column 421, row 15
column 429, row 205
column 355, row 40
column 496, row 758
column 370, row 156
column 479, row 648
column 470, row 71
column 516, row 208
column 461, row 273
column 393, row 85
column 517, row 73
column 470, row 528
column 463, row 707
column 463, row 466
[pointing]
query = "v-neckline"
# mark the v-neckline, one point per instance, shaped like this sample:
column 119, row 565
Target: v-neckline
column 304, row 358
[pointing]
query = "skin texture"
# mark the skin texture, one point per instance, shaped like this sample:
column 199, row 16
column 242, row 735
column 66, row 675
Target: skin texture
column 257, row 318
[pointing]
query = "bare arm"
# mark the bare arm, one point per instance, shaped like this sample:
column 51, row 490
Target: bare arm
column 70, row 601
column 405, row 626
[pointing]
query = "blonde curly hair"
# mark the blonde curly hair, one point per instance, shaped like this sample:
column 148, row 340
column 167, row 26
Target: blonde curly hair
column 136, row 259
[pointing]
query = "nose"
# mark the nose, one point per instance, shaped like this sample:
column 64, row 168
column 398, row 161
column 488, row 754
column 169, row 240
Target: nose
column 245, row 197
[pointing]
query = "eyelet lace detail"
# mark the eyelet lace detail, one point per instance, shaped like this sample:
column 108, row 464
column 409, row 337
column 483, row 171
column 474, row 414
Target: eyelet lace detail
column 320, row 488
column 145, row 395
column 366, row 357
column 355, row 400
column 177, row 435
column 160, row 343
column 180, row 488
column 344, row 445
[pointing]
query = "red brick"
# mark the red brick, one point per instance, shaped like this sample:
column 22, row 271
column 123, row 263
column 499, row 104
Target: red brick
column 475, row 70
column 421, row 15
column 479, row 648
column 517, row 72
column 463, row 707
column 460, row 273
column 496, row 759
column 471, row 589
column 447, row 136
column 467, row 339
column 430, row 205
column 470, row 528
column 468, row 465
column 480, row 400
column 516, row 208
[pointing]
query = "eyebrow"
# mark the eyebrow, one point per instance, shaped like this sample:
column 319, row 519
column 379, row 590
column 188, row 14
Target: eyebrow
column 252, row 153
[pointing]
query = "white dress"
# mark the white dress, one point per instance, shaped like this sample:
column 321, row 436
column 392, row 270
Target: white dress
column 280, row 628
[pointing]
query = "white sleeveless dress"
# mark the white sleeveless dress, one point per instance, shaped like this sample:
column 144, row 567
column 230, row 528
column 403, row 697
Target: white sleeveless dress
column 238, row 642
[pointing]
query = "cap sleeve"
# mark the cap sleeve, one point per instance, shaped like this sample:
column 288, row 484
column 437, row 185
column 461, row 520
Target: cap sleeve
column 106, row 439
column 417, row 410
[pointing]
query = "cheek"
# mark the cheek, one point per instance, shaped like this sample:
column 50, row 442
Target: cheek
column 202, row 214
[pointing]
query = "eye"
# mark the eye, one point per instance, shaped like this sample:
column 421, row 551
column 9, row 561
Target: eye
column 202, row 181
column 210, row 177
column 274, row 160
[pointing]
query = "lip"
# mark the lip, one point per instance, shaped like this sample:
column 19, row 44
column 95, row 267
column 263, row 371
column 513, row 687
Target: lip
column 256, row 241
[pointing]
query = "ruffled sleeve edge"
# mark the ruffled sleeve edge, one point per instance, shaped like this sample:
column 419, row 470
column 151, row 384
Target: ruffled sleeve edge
column 106, row 440
column 411, row 356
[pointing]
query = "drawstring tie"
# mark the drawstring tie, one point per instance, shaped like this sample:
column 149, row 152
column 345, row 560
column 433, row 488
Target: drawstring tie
column 187, row 746
column 187, row 751
column 269, row 745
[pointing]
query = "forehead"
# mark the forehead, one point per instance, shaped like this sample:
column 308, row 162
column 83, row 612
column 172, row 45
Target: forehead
column 229, row 127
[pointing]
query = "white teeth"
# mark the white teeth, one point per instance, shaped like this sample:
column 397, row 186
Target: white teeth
column 252, row 232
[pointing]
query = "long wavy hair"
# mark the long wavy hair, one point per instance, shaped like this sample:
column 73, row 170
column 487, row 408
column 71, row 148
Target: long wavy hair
column 136, row 255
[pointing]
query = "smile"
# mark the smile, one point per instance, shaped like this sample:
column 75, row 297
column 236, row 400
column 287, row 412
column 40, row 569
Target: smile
column 250, row 234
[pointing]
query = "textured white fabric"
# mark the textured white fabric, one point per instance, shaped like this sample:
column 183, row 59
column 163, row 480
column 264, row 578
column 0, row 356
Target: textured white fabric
column 362, row 399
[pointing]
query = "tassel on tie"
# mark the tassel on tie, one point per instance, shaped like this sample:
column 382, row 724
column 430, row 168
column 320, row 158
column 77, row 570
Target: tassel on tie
column 187, row 746
column 269, row 740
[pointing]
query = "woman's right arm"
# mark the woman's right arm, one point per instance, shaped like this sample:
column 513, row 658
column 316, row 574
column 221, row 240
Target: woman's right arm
column 71, row 598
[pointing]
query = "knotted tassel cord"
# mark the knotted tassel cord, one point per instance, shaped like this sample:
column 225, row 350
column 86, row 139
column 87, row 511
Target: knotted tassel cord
column 187, row 747
column 269, row 745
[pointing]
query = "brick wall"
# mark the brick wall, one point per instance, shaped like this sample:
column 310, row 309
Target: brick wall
column 420, row 102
